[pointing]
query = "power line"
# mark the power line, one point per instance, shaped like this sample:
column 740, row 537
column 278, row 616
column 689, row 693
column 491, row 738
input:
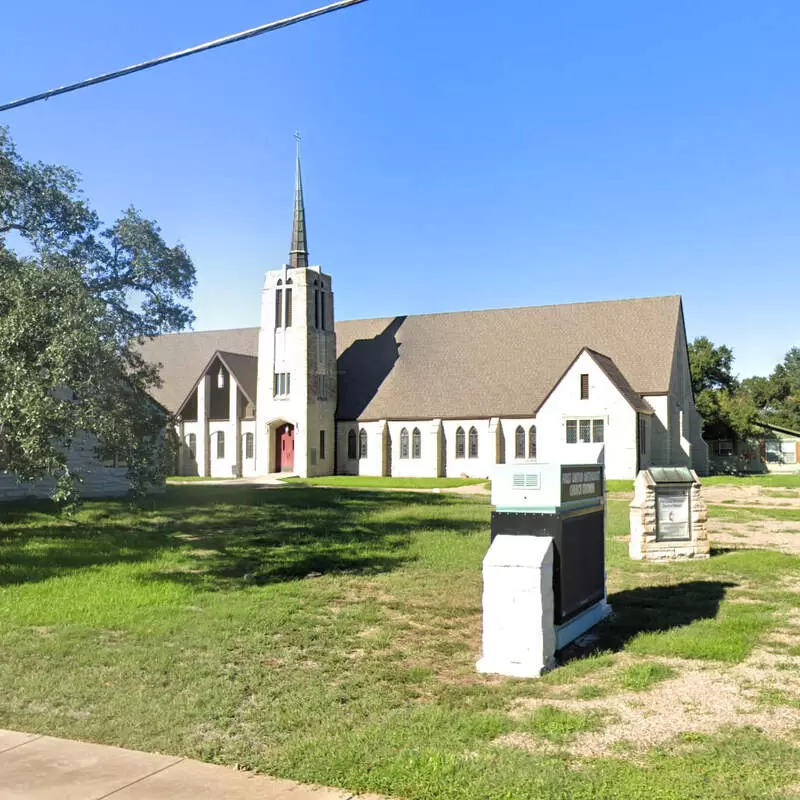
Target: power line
column 235, row 37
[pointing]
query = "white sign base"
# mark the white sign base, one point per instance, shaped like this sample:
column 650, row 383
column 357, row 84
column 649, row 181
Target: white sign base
column 519, row 639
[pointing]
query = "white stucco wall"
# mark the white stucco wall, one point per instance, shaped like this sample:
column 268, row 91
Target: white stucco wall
column 605, row 402
column 480, row 467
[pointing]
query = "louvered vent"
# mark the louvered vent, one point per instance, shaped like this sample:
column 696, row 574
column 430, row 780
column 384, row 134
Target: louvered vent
column 525, row 480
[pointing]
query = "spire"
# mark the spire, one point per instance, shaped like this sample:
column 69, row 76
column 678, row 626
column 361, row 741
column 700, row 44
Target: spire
column 298, row 255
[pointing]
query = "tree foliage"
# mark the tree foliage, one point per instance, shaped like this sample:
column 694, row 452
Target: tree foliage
column 76, row 298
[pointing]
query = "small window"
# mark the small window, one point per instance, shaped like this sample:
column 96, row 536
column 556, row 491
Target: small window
column 572, row 431
column 362, row 443
column 584, row 386
column 416, row 443
column 519, row 442
column 316, row 308
column 249, row 445
column 598, row 431
column 322, row 387
column 279, row 308
column 322, row 444
column 585, row 431
column 191, row 443
column 288, row 307
column 351, row 444
column 404, row 443
column 788, row 452
column 532, row 442
column 220, row 444
column 461, row 446
column 221, row 379
column 282, row 384
column 322, row 310
column 473, row 443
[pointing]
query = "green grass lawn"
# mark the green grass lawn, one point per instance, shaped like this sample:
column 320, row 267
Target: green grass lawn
column 791, row 481
column 370, row 482
column 330, row 636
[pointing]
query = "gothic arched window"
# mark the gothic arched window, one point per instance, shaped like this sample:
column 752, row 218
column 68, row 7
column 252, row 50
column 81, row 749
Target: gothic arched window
column 404, row 443
column 473, row 442
column 362, row 443
column 220, row 444
column 249, row 445
column 532, row 442
column 416, row 443
column 519, row 442
column 351, row 443
column 279, row 306
column 461, row 446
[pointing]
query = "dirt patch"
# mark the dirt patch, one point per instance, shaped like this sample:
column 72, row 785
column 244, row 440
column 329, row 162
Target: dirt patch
column 702, row 698
column 761, row 534
column 758, row 496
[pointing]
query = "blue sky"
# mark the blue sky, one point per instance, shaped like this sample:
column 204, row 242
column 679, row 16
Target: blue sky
column 456, row 154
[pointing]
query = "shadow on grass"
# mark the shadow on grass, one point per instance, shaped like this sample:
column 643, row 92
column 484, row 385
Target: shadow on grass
column 219, row 537
column 652, row 609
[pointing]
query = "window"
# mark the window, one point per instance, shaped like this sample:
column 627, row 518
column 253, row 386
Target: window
column 473, row 443
column 322, row 444
column 642, row 435
column 519, row 442
column 724, row 448
column 322, row 310
column 322, row 387
column 221, row 379
column 584, row 431
column 362, row 444
column 316, row 305
column 249, row 445
column 288, row 307
column 220, row 444
column 572, row 431
column 584, row 386
column 788, row 452
column 532, row 442
column 279, row 308
column 282, row 384
column 191, row 443
column 416, row 443
column 461, row 448
column 404, row 443
column 351, row 444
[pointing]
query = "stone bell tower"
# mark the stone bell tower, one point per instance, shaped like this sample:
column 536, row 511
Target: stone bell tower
column 297, row 384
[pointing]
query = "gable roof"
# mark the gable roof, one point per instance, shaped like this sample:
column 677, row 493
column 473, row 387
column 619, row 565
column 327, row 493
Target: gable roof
column 503, row 362
column 610, row 370
column 468, row 364
column 185, row 356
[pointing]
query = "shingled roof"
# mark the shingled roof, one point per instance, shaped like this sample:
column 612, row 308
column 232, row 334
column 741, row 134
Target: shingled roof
column 504, row 362
column 184, row 356
column 463, row 365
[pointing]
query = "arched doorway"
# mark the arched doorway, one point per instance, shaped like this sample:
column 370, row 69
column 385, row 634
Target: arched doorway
column 284, row 448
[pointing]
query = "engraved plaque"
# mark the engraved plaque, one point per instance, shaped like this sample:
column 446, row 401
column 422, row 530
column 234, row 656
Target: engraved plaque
column 672, row 514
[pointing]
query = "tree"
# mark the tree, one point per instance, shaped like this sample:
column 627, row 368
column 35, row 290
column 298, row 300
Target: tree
column 727, row 408
column 73, row 309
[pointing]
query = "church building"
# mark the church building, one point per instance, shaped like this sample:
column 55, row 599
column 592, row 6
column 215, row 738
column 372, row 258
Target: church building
column 432, row 395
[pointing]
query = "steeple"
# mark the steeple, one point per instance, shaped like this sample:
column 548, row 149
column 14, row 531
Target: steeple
column 298, row 255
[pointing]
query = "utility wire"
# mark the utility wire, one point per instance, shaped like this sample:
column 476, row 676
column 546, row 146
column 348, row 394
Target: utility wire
column 235, row 37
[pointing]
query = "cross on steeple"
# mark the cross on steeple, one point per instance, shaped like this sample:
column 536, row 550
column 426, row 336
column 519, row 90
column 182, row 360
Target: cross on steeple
column 298, row 255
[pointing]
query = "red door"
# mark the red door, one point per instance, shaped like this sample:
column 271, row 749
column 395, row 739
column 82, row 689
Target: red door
column 284, row 460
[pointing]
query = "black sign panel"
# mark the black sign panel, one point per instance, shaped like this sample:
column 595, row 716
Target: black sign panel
column 581, row 482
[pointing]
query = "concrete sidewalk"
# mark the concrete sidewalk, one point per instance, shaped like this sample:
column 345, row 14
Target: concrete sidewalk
column 43, row 768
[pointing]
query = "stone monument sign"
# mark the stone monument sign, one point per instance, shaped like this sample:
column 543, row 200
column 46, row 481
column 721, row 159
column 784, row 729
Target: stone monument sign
column 668, row 515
